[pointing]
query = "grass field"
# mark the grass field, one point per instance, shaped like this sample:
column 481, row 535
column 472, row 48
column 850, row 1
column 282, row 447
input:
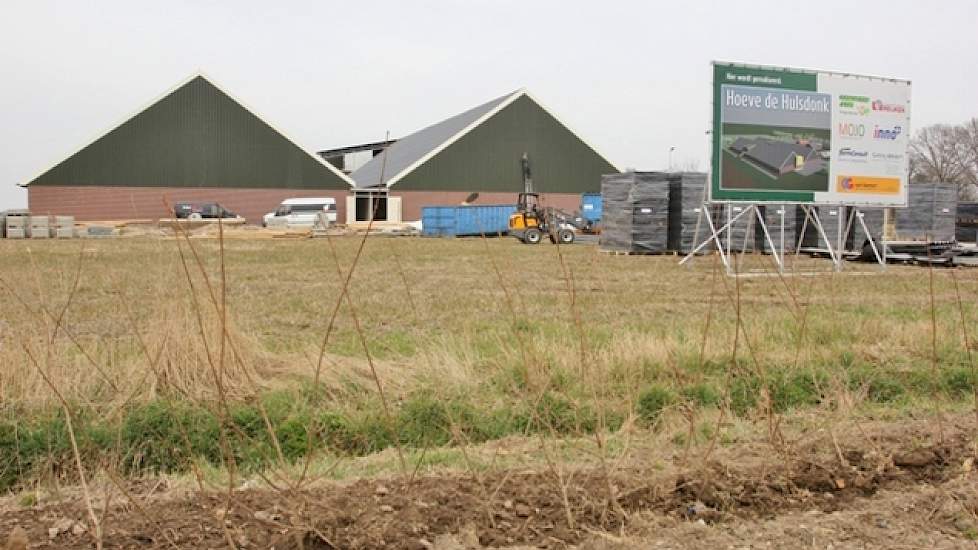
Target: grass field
column 133, row 357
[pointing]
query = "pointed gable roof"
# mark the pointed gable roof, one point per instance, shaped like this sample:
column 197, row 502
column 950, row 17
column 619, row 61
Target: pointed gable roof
column 408, row 152
column 480, row 149
column 194, row 135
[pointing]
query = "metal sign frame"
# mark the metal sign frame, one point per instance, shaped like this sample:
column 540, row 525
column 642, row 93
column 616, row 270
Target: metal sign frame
column 721, row 236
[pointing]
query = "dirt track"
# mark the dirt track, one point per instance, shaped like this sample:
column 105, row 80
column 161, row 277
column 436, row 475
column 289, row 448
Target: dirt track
column 884, row 490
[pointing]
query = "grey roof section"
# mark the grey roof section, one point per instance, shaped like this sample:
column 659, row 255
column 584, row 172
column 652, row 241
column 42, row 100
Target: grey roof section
column 777, row 153
column 742, row 144
column 411, row 149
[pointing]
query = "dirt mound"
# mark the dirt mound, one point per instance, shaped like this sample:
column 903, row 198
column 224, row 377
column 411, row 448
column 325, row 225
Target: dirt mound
column 510, row 508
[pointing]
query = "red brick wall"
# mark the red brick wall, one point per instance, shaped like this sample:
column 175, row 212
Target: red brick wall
column 412, row 201
column 88, row 203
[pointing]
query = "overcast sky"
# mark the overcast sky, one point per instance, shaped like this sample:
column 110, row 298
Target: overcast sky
column 633, row 78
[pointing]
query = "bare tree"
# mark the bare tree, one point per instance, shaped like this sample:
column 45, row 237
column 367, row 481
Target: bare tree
column 937, row 154
column 968, row 147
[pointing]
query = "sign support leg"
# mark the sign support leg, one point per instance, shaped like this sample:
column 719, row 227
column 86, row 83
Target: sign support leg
column 714, row 237
column 836, row 258
column 872, row 241
column 778, row 258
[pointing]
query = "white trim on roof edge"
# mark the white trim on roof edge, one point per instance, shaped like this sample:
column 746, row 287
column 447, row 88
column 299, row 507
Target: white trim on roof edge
column 571, row 130
column 166, row 93
column 487, row 116
column 427, row 156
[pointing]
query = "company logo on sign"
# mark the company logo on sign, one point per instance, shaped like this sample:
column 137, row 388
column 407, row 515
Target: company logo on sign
column 879, row 106
column 854, row 105
column 853, row 153
column 887, row 133
column 891, row 157
column 868, row 185
column 850, row 130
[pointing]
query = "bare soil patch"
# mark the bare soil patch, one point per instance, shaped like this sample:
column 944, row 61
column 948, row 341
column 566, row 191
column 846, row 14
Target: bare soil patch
column 878, row 484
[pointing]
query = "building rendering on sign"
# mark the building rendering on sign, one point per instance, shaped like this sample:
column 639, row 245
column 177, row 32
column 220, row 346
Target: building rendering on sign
column 778, row 157
column 479, row 151
column 195, row 143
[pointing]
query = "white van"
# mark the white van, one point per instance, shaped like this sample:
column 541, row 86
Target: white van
column 301, row 212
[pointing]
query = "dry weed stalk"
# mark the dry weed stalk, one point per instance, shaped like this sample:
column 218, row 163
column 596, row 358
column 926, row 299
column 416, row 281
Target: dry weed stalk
column 96, row 530
column 139, row 508
column 585, row 371
column 966, row 341
column 933, row 342
column 362, row 336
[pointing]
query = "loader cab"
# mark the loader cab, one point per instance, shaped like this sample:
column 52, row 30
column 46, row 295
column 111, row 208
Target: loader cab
column 526, row 216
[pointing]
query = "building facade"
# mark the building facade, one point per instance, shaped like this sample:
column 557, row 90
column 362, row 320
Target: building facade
column 195, row 143
column 481, row 151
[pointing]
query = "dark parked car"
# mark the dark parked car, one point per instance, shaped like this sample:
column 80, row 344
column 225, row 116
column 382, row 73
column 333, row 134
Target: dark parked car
column 201, row 210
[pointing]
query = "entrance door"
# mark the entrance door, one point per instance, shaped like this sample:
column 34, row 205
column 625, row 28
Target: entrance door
column 371, row 204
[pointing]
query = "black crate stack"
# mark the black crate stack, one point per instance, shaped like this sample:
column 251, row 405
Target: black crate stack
column 741, row 232
column 635, row 212
column 931, row 214
column 686, row 196
column 945, row 209
column 810, row 239
column 832, row 217
column 873, row 218
column 772, row 218
column 966, row 227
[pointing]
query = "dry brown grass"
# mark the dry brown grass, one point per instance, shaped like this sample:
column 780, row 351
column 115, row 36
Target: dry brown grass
column 130, row 331
column 575, row 340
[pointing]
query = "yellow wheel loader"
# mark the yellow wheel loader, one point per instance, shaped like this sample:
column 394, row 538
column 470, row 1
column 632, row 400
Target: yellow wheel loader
column 531, row 221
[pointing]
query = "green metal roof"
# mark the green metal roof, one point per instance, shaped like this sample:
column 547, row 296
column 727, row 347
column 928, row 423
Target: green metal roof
column 195, row 136
column 481, row 150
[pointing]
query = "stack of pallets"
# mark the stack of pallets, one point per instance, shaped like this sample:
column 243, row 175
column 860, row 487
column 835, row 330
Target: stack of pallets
column 15, row 225
column 966, row 227
column 64, row 227
column 686, row 196
column 40, row 227
column 931, row 214
column 635, row 217
column 772, row 218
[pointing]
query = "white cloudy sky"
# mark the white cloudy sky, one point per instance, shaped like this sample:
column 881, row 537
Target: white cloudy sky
column 631, row 76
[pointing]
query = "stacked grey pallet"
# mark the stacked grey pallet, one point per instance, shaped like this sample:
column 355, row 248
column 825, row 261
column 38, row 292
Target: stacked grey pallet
column 15, row 224
column 966, row 226
column 20, row 224
column 810, row 238
column 40, row 227
column 873, row 218
column 772, row 218
column 63, row 227
column 931, row 214
column 686, row 195
column 634, row 215
column 937, row 217
column 832, row 217
column 741, row 232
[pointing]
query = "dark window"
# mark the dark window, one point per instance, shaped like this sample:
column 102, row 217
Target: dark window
column 380, row 208
column 371, row 205
column 308, row 207
column 363, row 208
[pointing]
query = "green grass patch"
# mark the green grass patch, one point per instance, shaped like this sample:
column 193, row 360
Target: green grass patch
column 652, row 401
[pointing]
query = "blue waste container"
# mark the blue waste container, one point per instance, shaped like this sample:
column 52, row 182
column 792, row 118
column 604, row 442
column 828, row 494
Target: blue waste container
column 591, row 207
column 460, row 221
